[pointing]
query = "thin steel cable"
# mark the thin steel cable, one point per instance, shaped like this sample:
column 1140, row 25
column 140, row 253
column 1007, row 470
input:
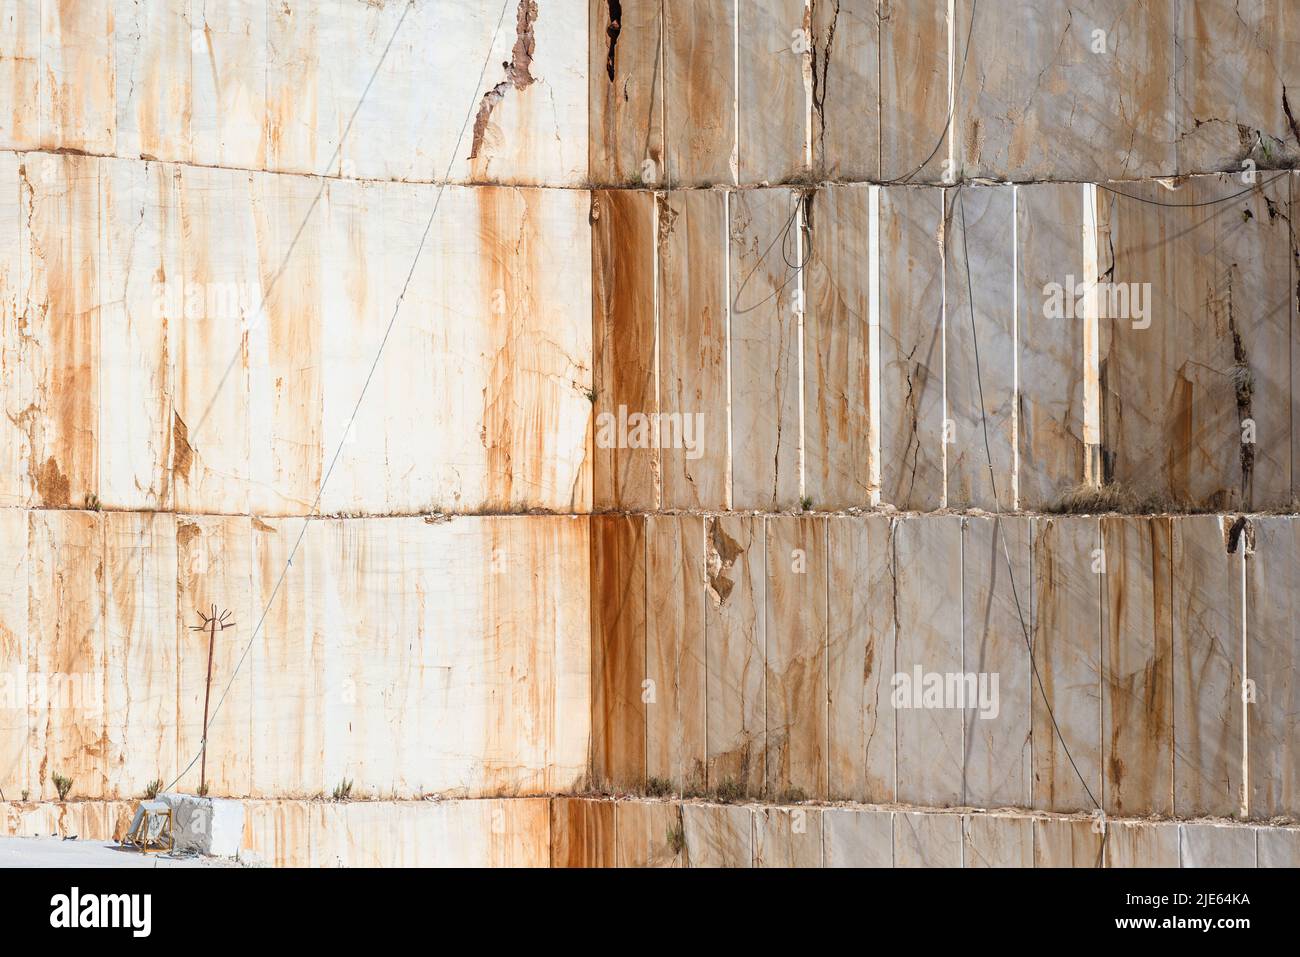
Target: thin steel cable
column 356, row 407
column 1208, row 202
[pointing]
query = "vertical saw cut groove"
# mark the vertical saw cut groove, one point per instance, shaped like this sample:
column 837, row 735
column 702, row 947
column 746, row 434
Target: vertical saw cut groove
column 612, row 29
column 803, row 211
column 1245, row 719
column 518, row 72
column 728, row 476
column 656, row 306
column 1015, row 348
column 1091, row 341
column 873, row 339
column 952, row 83
column 1243, row 387
column 943, row 340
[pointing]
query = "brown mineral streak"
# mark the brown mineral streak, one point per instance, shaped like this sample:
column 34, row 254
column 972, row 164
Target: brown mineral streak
column 518, row 71
column 182, row 454
column 582, row 833
column 623, row 339
column 66, row 326
column 618, row 649
column 721, row 555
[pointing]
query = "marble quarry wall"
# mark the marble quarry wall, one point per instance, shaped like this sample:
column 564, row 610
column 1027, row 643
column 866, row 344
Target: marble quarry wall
column 631, row 427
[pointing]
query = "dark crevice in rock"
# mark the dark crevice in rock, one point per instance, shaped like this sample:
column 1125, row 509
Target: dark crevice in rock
column 518, row 72
column 612, row 30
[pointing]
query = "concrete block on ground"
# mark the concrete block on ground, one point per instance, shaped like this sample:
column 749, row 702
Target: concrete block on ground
column 210, row 826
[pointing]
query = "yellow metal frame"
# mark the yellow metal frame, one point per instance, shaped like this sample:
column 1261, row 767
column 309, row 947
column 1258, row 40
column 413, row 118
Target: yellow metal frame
column 138, row 837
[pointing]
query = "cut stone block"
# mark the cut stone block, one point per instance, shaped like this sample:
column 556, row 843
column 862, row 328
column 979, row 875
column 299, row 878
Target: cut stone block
column 1217, row 845
column 15, row 651
column 980, row 345
column 62, row 325
column 66, row 719
column 582, row 833
column 623, row 344
column 839, row 453
column 718, row 835
column 765, row 239
column 16, row 474
column 995, row 841
column 996, row 589
column 928, row 609
column 413, row 125
column 927, row 840
column 860, row 650
column 700, row 92
column 846, row 90
column 911, row 348
column 1277, row 846
column 209, row 826
column 1054, row 429
column 140, row 615
column 618, row 627
column 1130, row 844
column 1089, row 97
column 774, row 75
column 77, row 69
column 676, row 718
column 736, row 651
column 1272, row 640
column 221, row 284
column 284, row 349
column 1137, row 720
column 649, row 834
column 141, row 241
column 228, row 115
column 625, row 87
column 1061, row 842
column 787, row 837
column 914, row 90
column 854, row 838
column 152, row 44
column 1236, row 64
column 796, row 656
column 1195, row 383
column 693, row 347
column 20, row 88
column 214, row 566
column 1067, row 597
column 1208, row 648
